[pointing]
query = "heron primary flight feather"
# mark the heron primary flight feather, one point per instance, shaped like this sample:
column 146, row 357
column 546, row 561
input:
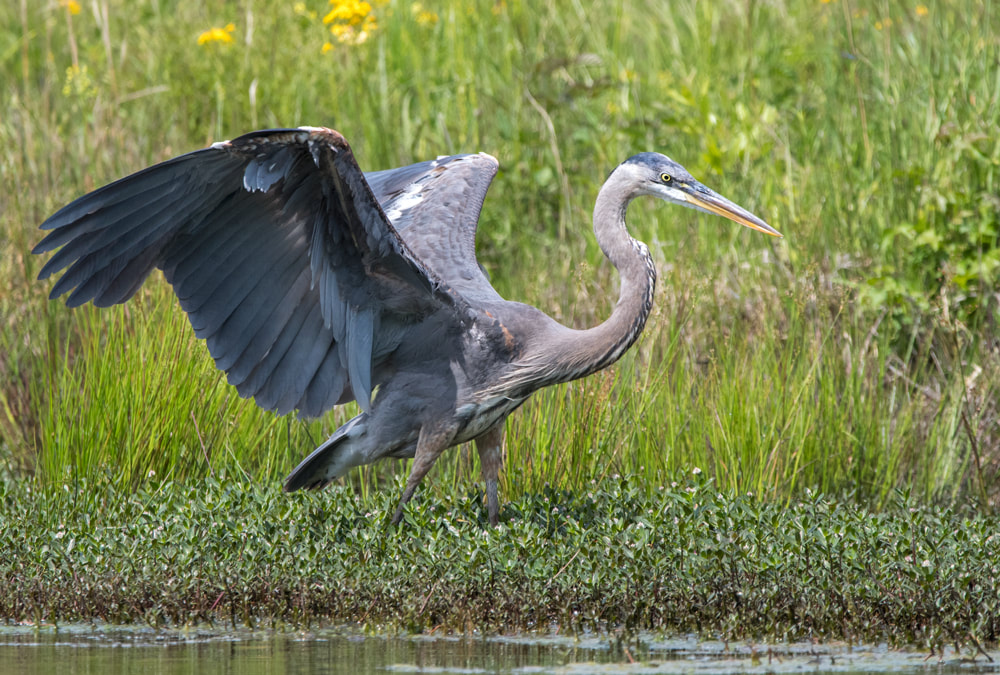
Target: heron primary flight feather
column 315, row 284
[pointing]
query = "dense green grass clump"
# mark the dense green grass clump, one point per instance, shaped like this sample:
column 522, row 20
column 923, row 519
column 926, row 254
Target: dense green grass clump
column 686, row 558
column 858, row 354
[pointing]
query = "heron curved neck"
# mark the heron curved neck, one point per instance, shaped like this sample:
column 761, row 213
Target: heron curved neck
column 582, row 352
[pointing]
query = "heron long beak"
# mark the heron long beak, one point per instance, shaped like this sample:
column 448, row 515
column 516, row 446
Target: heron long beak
column 702, row 198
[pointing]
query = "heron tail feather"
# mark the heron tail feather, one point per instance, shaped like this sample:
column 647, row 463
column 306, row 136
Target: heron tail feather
column 332, row 459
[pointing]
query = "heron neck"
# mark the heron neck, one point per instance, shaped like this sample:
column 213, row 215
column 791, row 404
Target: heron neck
column 593, row 349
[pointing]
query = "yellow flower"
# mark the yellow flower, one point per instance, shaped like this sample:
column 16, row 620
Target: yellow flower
column 327, row 46
column 72, row 6
column 341, row 32
column 78, row 83
column 424, row 17
column 223, row 35
column 351, row 21
column 354, row 35
column 349, row 12
column 922, row 10
column 427, row 18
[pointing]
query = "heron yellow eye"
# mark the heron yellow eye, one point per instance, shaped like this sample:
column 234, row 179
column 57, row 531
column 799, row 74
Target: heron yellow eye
column 665, row 177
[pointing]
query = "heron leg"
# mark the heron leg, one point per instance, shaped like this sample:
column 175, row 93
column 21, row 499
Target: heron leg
column 490, row 447
column 430, row 444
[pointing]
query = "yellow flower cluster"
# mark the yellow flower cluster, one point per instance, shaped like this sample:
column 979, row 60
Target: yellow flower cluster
column 72, row 6
column 350, row 21
column 79, row 84
column 921, row 11
column 423, row 16
column 223, row 35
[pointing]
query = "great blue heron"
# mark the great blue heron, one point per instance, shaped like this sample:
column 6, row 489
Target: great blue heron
column 315, row 284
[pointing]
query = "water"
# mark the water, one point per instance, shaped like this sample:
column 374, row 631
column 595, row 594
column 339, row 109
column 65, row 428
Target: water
column 100, row 650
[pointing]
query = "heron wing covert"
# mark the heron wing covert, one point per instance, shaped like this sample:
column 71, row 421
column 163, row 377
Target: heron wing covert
column 435, row 208
column 277, row 250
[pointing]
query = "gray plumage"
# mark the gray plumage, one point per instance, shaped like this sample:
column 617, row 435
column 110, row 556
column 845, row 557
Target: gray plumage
column 314, row 284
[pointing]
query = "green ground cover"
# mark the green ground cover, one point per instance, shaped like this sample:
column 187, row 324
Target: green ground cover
column 857, row 357
column 604, row 558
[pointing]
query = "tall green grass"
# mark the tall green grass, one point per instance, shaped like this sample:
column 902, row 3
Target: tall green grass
column 765, row 413
column 860, row 353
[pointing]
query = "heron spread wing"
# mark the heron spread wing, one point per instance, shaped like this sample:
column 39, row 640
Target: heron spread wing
column 435, row 208
column 279, row 253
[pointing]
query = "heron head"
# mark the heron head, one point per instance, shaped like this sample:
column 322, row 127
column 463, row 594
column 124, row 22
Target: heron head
column 659, row 176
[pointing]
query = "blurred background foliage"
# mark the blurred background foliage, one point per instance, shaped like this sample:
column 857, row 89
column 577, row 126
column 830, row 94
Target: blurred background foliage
column 859, row 354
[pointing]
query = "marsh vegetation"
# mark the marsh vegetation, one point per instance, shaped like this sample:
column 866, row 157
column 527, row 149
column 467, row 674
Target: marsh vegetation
column 858, row 357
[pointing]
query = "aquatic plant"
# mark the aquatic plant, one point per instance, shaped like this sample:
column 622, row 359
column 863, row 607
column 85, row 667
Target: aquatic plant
column 686, row 558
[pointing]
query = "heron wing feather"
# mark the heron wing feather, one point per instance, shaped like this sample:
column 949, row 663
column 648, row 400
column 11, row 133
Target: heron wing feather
column 279, row 252
column 435, row 207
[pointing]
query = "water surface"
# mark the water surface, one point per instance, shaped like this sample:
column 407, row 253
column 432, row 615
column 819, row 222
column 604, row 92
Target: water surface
column 97, row 649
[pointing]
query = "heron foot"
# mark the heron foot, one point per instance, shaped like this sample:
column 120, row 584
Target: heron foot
column 411, row 486
column 397, row 517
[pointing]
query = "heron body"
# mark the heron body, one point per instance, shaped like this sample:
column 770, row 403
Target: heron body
column 315, row 284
